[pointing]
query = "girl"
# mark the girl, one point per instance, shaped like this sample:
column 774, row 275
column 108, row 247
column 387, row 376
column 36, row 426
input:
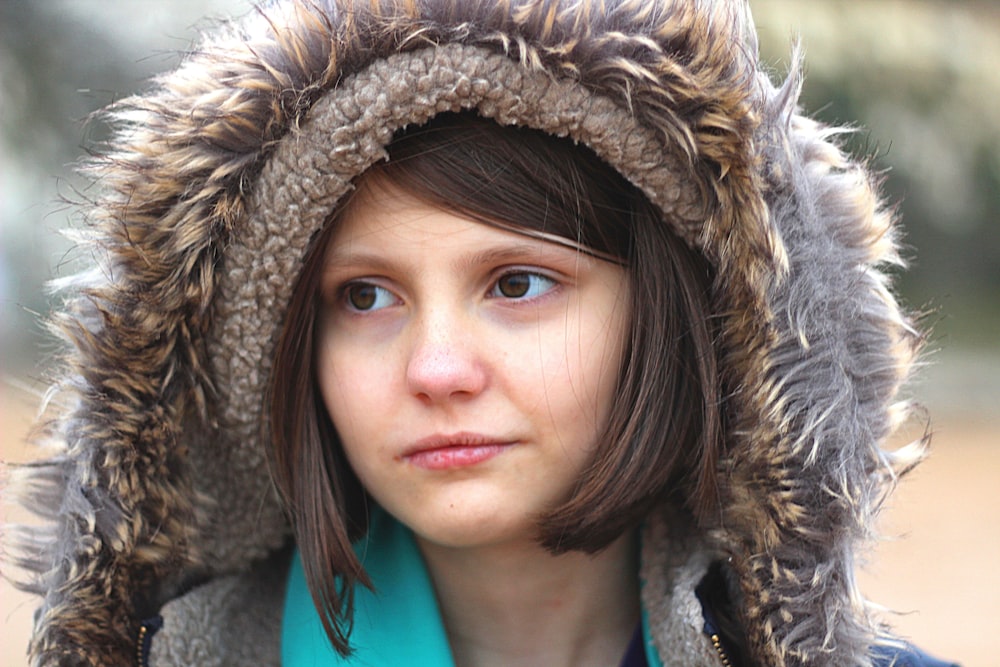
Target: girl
column 473, row 333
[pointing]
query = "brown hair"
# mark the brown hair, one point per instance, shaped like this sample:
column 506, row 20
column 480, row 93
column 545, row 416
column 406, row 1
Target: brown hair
column 664, row 430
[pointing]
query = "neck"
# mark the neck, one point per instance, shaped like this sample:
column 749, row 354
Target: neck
column 520, row 605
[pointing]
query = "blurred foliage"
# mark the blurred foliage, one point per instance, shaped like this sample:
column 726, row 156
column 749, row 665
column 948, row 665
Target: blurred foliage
column 60, row 60
column 920, row 83
column 44, row 60
column 918, row 79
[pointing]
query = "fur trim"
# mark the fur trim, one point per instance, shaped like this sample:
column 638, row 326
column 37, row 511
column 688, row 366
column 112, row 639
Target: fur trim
column 806, row 480
column 163, row 479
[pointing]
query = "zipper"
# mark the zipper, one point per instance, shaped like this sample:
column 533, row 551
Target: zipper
column 144, row 639
column 711, row 629
column 140, row 645
column 717, row 643
column 708, row 590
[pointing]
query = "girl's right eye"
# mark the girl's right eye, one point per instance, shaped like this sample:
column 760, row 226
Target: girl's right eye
column 366, row 297
column 522, row 285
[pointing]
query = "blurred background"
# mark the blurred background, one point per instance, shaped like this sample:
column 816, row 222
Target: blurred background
column 919, row 82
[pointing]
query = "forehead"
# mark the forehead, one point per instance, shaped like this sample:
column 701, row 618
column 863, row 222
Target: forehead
column 381, row 211
column 386, row 228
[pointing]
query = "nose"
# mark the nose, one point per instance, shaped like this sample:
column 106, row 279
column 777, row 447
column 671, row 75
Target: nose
column 445, row 361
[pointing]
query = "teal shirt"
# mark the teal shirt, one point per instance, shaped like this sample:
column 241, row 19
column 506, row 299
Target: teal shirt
column 398, row 624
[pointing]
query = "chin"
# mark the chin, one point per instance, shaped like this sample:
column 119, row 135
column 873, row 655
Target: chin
column 472, row 530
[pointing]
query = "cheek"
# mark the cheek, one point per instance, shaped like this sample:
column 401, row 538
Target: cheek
column 347, row 392
column 599, row 346
column 349, row 387
column 579, row 373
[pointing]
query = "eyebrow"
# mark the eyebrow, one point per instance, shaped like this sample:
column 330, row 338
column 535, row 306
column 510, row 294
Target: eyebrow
column 350, row 259
column 517, row 251
column 513, row 252
column 340, row 260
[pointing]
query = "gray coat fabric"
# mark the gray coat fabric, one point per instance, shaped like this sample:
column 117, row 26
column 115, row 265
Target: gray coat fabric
column 218, row 177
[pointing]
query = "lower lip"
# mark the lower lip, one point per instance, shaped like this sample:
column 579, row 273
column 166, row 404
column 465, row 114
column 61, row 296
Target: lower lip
column 446, row 458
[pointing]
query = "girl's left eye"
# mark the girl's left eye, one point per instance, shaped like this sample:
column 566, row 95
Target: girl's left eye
column 521, row 285
column 366, row 297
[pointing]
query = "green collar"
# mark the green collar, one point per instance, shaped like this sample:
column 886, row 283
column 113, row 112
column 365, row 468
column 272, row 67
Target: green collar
column 399, row 624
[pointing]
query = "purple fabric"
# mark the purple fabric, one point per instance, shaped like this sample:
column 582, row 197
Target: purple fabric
column 635, row 654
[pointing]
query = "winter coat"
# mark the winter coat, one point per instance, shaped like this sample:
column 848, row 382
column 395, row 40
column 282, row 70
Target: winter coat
column 216, row 179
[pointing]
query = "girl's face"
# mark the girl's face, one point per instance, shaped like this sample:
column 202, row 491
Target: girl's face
column 468, row 370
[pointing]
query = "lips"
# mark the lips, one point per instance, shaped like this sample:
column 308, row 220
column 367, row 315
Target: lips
column 458, row 450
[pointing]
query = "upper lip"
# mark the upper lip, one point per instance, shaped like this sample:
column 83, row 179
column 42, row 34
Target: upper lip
column 460, row 439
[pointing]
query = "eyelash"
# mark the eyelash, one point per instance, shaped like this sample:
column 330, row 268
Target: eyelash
column 532, row 290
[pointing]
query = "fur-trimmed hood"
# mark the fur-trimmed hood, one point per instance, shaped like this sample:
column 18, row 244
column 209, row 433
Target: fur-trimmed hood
column 219, row 176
